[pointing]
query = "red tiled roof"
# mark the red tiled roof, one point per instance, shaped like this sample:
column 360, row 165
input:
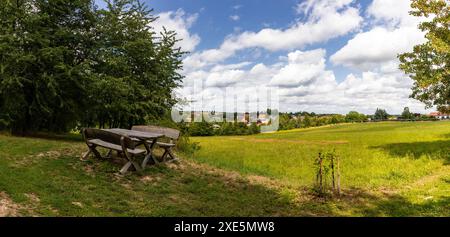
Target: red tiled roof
column 438, row 114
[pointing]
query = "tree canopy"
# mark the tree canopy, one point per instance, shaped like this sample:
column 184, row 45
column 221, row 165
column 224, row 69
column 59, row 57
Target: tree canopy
column 406, row 114
column 380, row 114
column 428, row 65
column 66, row 64
column 354, row 116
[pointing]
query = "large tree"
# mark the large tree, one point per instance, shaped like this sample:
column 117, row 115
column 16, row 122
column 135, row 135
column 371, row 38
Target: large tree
column 429, row 63
column 65, row 64
column 43, row 50
column 136, row 69
column 406, row 114
column 380, row 114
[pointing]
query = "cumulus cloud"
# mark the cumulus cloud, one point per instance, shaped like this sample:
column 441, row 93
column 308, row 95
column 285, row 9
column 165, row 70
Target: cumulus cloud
column 394, row 32
column 325, row 20
column 363, row 93
column 304, row 83
column 392, row 12
column 302, row 68
column 376, row 46
column 179, row 22
column 301, row 76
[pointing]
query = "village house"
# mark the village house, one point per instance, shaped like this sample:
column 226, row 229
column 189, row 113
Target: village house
column 439, row 115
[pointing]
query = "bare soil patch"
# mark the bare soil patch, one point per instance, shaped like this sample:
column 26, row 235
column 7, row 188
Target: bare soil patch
column 7, row 206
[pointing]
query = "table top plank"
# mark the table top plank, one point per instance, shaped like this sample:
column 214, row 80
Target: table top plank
column 135, row 134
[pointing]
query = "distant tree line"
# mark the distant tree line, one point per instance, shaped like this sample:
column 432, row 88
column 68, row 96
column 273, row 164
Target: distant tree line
column 295, row 120
column 221, row 129
column 306, row 120
column 66, row 64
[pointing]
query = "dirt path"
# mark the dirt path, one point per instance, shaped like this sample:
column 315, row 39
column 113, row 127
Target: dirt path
column 7, row 206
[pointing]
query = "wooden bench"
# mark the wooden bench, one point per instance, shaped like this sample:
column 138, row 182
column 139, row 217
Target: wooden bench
column 170, row 134
column 124, row 145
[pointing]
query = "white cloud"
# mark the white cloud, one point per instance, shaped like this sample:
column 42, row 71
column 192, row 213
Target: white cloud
column 394, row 31
column 304, row 83
column 392, row 12
column 302, row 77
column 219, row 67
column 378, row 45
column 326, row 20
column 180, row 22
column 302, row 68
column 235, row 17
column 224, row 78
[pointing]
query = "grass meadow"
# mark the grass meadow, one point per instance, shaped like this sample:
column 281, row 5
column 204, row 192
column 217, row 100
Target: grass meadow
column 388, row 169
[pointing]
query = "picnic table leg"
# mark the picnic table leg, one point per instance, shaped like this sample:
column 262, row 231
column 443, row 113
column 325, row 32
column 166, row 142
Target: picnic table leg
column 172, row 156
column 109, row 155
column 168, row 152
column 128, row 165
column 96, row 153
column 149, row 155
column 86, row 154
column 165, row 154
column 91, row 150
column 125, row 167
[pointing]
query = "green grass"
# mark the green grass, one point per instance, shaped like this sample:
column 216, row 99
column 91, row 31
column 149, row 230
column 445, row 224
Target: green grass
column 388, row 169
column 372, row 155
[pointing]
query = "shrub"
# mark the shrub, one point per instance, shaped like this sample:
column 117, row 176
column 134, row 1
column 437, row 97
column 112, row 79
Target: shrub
column 327, row 180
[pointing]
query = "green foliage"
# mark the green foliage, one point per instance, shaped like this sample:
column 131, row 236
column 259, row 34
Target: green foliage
column 64, row 64
column 406, row 114
column 337, row 118
column 222, row 129
column 135, row 69
column 380, row 114
column 428, row 64
column 201, row 129
column 43, row 62
column 354, row 116
column 253, row 129
column 286, row 122
column 305, row 120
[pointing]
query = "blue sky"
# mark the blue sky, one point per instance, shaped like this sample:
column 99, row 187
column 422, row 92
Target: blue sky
column 326, row 56
column 214, row 22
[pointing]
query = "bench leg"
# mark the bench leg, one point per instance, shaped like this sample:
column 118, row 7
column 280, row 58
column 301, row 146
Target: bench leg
column 166, row 152
column 125, row 167
column 86, row 154
column 109, row 155
column 96, row 153
column 149, row 155
column 131, row 163
column 172, row 156
column 147, row 158
column 92, row 150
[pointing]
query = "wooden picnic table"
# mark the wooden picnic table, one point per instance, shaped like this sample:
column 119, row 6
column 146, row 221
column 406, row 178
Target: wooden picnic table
column 148, row 139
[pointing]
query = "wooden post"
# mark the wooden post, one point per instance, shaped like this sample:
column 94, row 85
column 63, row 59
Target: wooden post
column 317, row 173
column 338, row 176
column 320, row 173
column 332, row 171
